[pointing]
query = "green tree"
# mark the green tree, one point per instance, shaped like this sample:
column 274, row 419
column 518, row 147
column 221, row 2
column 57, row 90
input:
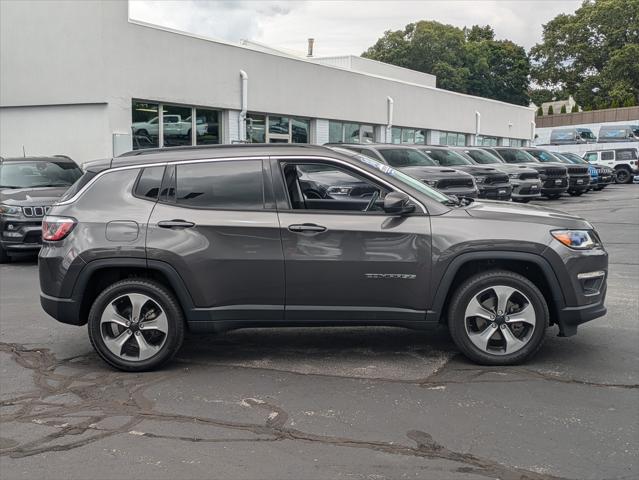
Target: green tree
column 563, row 109
column 592, row 52
column 630, row 102
column 467, row 61
column 540, row 112
column 574, row 109
column 550, row 110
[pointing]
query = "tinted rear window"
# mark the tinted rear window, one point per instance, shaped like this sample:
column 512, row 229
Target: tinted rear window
column 406, row 157
column 627, row 154
column 149, row 183
column 232, row 185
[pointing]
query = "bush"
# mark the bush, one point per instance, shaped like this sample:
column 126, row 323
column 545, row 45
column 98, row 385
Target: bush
column 563, row 109
column 550, row 110
column 540, row 112
column 574, row 109
column 630, row 102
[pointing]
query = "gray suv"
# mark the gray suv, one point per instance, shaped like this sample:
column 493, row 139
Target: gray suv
column 151, row 244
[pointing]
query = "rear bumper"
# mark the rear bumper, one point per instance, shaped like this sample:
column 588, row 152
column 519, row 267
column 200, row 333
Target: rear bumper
column 64, row 310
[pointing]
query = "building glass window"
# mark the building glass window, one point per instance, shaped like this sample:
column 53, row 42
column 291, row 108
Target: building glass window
column 420, row 137
column 396, row 135
column 178, row 123
column 256, row 128
column 145, row 126
column 487, row 141
column 277, row 125
column 207, row 126
column 452, row 139
column 515, row 142
column 408, row 135
column 300, row 130
column 344, row 132
column 176, row 126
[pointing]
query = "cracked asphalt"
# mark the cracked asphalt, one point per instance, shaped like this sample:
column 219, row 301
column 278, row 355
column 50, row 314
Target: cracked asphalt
column 356, row 403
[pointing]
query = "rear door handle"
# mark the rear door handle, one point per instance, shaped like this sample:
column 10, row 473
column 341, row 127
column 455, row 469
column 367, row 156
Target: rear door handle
column 306, row 227
column 175, row 224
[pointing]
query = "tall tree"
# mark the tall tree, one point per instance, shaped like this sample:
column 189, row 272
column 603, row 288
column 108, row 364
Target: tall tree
column 465, row 60
column 593, row 53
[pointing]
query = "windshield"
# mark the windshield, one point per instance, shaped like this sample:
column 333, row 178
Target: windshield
column 447, row 158
column 613, row 132
column 34, row 174
column 572, row 157
column 405, row 179
column 406, row 157
column 543, row 156
column 585, row 133
column 516, row 156
column 483, row 157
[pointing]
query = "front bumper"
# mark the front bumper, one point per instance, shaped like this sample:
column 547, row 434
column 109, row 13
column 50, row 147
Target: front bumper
column 20, row 234
column 461, row 192
column 572, row 317
column 499, row 191
column 526, row 188
column 554, row 186
column 579, row 184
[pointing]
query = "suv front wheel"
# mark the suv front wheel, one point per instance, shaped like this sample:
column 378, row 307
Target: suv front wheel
column 136, row 325
column 498, row 318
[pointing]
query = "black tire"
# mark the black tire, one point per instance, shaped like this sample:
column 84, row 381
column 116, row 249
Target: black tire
column 479, row 283
column 623, row 176
column 555, row 196
column 158, row 294
column 4, row 256
column 521, row 200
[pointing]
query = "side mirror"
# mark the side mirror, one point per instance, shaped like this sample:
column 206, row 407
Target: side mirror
column 397, row 203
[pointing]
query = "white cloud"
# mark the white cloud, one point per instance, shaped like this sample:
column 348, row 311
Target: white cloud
column 341, row 27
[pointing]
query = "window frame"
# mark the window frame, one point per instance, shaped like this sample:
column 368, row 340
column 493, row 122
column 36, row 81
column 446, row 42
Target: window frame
column 170, row 181
column 286, row 207
column 139, row 177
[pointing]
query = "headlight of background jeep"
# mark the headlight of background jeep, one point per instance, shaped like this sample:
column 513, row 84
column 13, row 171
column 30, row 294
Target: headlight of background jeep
column 577, row 239
column 10, row 210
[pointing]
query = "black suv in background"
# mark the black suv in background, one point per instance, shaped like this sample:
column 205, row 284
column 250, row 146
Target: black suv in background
column 554, row 178
column 605, row 175
column 578, row 175
column 28, row 188
column 418, row 165
column 525, row 181
column 492, row 183
column 217, row 238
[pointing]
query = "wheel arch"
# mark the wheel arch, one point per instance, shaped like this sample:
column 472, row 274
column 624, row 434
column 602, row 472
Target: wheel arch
column 99, row 274
column 532, row 266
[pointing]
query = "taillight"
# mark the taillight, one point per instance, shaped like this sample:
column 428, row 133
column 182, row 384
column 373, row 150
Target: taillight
column 57, row 228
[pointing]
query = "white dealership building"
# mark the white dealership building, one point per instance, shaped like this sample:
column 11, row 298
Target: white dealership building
column 84, row 80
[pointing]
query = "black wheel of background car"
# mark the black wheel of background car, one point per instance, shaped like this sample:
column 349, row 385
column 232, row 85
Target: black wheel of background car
column 498, row 318
column 142, row 132
column 136, row 325
column 554, row 197
column 623, row 175
column 4, row 257
column 521, row 200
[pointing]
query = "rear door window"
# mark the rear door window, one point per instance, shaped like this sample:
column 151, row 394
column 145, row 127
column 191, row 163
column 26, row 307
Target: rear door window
column 225, row 185
column 610, row 155
column 148, row 186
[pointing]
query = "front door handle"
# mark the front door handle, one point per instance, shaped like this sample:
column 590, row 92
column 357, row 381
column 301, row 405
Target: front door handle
column 307, row 227
column 175, row 224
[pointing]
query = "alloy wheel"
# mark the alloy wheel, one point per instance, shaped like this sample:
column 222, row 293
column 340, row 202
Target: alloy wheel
column 134, row 327
column 500, row 320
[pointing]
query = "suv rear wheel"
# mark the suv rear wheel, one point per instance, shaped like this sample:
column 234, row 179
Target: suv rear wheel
column 498, row 318
column 136, row 325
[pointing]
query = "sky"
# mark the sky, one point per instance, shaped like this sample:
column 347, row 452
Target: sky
column 344, row 27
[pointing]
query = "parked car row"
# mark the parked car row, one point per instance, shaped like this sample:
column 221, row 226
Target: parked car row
column 607, row 134
column 498, row 173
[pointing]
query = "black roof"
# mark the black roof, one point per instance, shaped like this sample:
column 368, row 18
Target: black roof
column 379, row 146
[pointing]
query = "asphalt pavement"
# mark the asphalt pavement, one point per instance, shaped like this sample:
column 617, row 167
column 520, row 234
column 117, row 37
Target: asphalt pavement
column 320, row 403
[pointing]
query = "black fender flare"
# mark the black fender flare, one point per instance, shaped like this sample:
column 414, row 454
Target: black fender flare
column 445, row 285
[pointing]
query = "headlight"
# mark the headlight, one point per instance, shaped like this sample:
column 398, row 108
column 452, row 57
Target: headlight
column 339, row 190
column 10, row 210
column 577, row 239
column 432, row 183
column 481, row 179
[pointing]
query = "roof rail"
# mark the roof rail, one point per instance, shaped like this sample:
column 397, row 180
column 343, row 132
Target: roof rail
column 149, row 151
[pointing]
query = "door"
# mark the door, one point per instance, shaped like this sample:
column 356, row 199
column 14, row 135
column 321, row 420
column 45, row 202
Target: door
column 214, row 226
column 345, row 258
